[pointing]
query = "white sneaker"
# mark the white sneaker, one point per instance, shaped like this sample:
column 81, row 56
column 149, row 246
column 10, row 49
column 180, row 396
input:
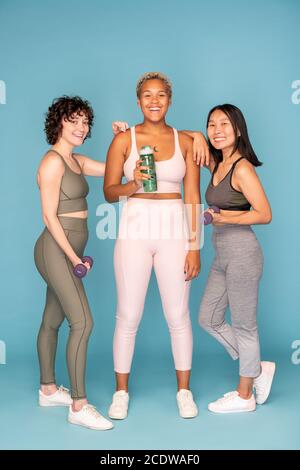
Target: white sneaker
column 186, row 405
column 89, row 417
column 119, row 407
column 263, row 382
column 61, row 397
column 232, row 403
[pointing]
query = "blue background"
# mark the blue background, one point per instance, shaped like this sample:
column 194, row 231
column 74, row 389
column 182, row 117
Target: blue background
column 239, row 52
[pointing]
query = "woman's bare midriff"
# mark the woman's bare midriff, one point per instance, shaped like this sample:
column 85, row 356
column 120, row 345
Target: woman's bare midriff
column 157, row 196
column 79, row 214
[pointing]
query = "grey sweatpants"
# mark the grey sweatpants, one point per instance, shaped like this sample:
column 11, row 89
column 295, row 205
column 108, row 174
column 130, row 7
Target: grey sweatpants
column 233, row 280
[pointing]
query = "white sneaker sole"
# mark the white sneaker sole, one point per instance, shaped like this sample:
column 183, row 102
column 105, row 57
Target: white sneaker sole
column 94, row 428
column 264, row 396
column 231, row 411
column 117, row 417
column 45, row 404
column 188, row 416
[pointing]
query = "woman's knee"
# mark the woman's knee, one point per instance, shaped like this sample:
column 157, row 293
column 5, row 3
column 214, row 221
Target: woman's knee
column 85, row 325
column 205, row 318
column 51, row 325
column 89, row 326
column 128, row 318
column 203, row 323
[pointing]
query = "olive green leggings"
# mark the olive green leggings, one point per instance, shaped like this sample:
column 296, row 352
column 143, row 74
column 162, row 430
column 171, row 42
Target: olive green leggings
column 65, row 298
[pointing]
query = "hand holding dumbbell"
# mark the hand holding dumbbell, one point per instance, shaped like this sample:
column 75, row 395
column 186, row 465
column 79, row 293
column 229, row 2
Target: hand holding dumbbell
column 207, row 217
column 80, row 270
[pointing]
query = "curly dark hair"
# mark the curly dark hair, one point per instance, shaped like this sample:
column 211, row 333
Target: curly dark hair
column 64, row 108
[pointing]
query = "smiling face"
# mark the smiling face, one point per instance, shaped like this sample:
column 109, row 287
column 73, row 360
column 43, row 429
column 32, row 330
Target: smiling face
column 154, row 100
column 75, row 128
column 220, row 131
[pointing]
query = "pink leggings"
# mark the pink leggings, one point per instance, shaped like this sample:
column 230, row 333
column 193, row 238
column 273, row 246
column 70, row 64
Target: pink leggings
column 146, row 240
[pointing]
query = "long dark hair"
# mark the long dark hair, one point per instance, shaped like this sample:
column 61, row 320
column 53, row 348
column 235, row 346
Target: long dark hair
column 242, row 141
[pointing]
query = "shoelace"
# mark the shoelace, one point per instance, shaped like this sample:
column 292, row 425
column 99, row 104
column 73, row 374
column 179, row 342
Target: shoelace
column 186, row 399
column 227, row 397
column 119, row 400
column 63, row 389
column 92, row 411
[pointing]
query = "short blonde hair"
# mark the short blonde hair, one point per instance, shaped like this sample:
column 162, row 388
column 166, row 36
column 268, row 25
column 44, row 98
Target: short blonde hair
column 154, row 76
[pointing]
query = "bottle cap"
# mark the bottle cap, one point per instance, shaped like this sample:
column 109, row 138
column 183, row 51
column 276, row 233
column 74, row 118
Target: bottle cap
column 146, row 150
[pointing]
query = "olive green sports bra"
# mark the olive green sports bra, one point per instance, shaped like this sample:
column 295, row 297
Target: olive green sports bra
column 73, row 190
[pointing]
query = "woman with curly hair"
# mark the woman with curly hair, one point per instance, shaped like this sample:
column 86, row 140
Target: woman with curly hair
column 59, row 249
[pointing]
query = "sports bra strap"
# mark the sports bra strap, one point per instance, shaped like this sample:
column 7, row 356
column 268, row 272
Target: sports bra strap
column 77, row 162
column 57, row 153
column 133, row 139
column 177, row 145
column 233, row 166
column 231, row 169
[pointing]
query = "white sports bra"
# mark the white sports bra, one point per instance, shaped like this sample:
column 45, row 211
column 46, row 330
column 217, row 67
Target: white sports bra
column 169, row 173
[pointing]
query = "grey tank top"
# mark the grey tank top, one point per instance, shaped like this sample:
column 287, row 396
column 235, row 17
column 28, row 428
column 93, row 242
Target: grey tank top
column 73, row 190
column 224, row 195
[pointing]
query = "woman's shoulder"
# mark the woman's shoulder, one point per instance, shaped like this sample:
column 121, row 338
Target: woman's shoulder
column 122, row 137
column 51, row 161
column 242, row 163
column 185, row 139
column 243, row 168
column 120, row 146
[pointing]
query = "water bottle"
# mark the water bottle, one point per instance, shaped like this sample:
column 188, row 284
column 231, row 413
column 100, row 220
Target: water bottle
column 147, row 157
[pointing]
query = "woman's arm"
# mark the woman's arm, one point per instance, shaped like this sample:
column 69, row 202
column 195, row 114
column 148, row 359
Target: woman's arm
column 192, row 202
column 113, row 188
column 90, row 167
column 50, row 175
column 247, row 181
column 201, row 153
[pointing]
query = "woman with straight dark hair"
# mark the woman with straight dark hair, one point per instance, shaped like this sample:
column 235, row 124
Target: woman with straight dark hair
column 234, row 277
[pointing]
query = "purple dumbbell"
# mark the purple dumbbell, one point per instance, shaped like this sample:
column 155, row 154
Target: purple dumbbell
column 208, row 218
column 88, row 259
column 80, row 270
